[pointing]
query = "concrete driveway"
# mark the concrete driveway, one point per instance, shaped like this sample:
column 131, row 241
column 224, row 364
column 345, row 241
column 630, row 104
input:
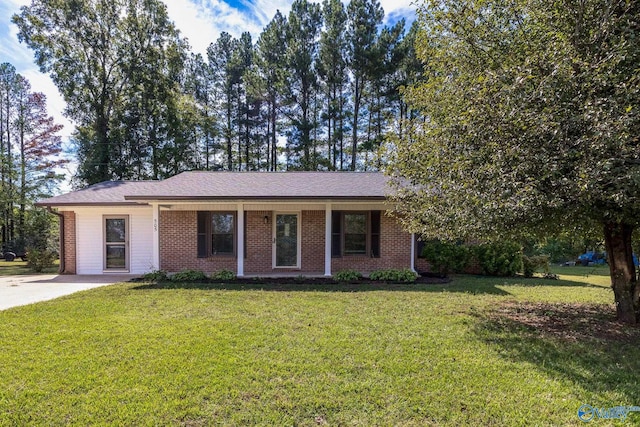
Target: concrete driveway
column 27, row 289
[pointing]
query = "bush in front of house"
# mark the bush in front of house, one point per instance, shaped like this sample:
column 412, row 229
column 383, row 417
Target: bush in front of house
column 347, row 276
column 155, row 276
column 499, row 258
column 394, row 275
column 446, row 257
column 40, row 259
column 189, row 276
column 224, row 275
column 532, row 263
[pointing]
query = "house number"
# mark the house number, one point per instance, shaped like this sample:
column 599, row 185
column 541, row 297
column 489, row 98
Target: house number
column 155, row 225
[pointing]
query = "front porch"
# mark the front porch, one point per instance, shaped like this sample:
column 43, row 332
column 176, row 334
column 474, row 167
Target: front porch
column 276, row 239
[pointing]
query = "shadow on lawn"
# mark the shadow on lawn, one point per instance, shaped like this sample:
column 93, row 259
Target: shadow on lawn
column 582, row 343
column 460, row 284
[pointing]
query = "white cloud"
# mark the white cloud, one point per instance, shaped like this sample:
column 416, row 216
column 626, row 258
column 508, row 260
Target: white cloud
column 202, row 23
column 265, row 10
column 397, row 5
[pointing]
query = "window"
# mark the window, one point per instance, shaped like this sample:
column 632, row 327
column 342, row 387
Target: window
column 355, row 233
column 216, row 233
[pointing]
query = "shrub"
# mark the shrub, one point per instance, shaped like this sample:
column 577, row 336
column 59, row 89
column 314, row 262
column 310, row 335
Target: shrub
column 446, row 257
column 347, row 276
column 223, row 274
column 40, row 259
column 394, row 275
column 532, row 263
column 155, row 276
column 189, row 276
column 499, row 258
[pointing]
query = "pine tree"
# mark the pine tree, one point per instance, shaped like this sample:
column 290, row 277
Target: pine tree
column 364, row 18
column 332, row 71
column 303, row 31
column 270, row 54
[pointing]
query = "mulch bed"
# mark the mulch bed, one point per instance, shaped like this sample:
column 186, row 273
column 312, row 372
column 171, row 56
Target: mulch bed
column 570, row 322
column 295, row 283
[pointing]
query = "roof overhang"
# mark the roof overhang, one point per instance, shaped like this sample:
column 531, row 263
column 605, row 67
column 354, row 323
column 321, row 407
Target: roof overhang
column 89, row 204
column 249, row 199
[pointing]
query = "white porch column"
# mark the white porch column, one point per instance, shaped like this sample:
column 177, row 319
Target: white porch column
column 155, row 250
column 413, row 252
column 240, row 251
column 327, row 240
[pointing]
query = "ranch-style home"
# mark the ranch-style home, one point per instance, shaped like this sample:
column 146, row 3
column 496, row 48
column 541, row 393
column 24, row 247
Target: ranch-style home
column 253, row 223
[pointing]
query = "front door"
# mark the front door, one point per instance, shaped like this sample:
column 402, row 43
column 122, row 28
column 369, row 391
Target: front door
column 116, row 243
column 286, row 241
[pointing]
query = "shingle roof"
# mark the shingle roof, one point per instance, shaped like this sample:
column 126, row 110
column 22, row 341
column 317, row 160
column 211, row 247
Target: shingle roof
column 233, row 185
column 103, row 193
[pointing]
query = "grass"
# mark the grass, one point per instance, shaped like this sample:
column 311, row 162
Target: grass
column 15, row 268
column 476, row 351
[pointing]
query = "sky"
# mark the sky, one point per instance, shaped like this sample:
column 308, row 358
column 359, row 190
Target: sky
column 200, row 21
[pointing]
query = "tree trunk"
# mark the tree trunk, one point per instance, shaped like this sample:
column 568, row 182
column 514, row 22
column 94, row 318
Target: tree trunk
column 23, row 186
column 623, row 275
column 356, row 111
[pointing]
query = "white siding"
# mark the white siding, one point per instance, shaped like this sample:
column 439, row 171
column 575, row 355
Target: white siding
column 90, row 243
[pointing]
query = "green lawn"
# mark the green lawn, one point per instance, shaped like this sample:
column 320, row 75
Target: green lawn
column 16, row 267
column 477, row 351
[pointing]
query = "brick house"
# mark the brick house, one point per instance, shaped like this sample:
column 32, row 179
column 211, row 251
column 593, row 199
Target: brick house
column 253, row 223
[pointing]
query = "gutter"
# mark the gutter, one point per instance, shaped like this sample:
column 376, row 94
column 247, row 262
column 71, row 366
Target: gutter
column 61, row 222
column 254, row 198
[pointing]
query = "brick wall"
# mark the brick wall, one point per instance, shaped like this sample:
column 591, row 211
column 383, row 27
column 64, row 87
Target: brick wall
column 258, row 241
column 313, row 241
column 395, row 251
column 69, row 218
column 179, row 245
column 422, row 265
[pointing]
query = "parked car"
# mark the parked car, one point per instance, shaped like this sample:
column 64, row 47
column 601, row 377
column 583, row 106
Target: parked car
column 593, row 258
column 599, row 258
column 9, row 254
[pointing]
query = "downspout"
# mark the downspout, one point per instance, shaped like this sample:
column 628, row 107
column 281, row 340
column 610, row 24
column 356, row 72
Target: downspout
column 61, row 222
column 413, row 253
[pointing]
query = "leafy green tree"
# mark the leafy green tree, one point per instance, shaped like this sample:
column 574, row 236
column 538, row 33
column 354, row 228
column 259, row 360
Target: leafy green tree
column 96, row 52
column 29, row 155
column 147, row 130
column 529, row 122
column 39, row 146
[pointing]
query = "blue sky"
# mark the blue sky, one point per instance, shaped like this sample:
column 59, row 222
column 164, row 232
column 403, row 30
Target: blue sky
column 200, row 21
